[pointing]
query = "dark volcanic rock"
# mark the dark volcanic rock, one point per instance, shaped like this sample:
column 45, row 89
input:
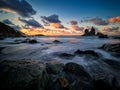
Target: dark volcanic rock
column 22, row 75
column 57, row 41
column 7, row 31
column 86, row 32
column 1, row 48
column 92, row 31
column 54, row 68
column 66, row 55
column 75, row 69
column 106, row 82
column 73, row 77
column 82, row 80
column 87, row 52
column 113, row 48
column 89, row 33
column 102, row 36
column 32, row 41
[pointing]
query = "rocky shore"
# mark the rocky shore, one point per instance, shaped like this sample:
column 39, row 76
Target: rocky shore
column 33, row 75
column 36, row 75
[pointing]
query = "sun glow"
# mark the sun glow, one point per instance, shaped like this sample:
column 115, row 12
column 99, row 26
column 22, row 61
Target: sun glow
column 50, row 32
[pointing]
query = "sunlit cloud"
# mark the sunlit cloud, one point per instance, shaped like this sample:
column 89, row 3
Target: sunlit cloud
column 8, row 10
column 114, row 19
column 56, row 25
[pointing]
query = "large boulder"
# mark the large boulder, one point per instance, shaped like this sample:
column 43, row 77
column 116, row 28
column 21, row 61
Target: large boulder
column 78, row 76
column 66, row 55
column 106, row 82
column 87, row 52
column 22, row 75
column 113, row 48
column 54, row 68
column 72, row 77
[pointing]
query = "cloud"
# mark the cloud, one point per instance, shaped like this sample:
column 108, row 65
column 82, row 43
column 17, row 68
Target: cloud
column 31, row 22
column 22, row 7
column 111, row 28
column 51, row 19
column 56, row 25
column 98, row 21
column 73, row 22
column 114, row 19
column 7, row 21
column 75, row 27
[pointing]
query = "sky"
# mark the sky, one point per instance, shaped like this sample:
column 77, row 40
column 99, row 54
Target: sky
column 61, row 17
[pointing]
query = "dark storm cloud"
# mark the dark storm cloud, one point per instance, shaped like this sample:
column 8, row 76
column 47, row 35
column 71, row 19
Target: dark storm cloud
column 51, row 19
column 22, row 7
column 73, row 22
column 7, row 21
column 30, row 22
column 98, row 21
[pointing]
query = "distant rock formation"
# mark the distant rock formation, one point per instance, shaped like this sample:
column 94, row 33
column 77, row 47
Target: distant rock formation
column 93, row 32
column 7, row 31
column 89, row 33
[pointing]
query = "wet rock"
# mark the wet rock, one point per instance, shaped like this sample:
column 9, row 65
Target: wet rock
column 87, row 52
column 22, row 75
column 57, row 41
column 114, row 64
column 108, row 82
column 113, row 48
column 81, row 80
column 1, row 48
column 116, row 37
column 66, row 55
column 103, row 36
column 1, row 38
column 54, row 68
column 32, row 41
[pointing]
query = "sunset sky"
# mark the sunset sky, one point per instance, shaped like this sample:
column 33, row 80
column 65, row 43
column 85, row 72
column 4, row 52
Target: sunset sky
column 61, row 17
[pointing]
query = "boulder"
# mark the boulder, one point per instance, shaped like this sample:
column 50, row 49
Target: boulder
column 102, row 36
column 73, row 77
column 113, row 48
column 106, row 82
column 66, row 55
column 32, row 41
column 57, row 41
column 22, row 75
column 54, row 68
column 87, row 52
column 78, row 77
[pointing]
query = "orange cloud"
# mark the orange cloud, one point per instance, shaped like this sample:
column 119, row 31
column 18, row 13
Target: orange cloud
column 114, row 19
column 75, row 27
column 8, row 10
column 56, row 25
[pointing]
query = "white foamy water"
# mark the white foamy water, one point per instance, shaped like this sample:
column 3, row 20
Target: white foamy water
column 47, row 50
